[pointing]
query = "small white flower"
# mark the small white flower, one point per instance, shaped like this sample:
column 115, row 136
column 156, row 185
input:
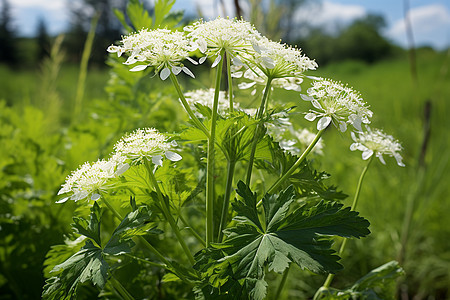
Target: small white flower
column 206, row 97
column 279, row 60
column 92, row 179
column 161, row 48
column 146, row 143
column 378, row 142
column 231, row 35
column 337, row 104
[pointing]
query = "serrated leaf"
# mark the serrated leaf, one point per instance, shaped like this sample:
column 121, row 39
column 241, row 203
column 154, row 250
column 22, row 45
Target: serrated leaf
column 138, row 15
column 300, row 236
column 89, row 263
column 91, row 228
column 378, row 284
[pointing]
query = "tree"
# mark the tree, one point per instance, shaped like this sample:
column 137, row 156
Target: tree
column 8, row 48
column 42, row 40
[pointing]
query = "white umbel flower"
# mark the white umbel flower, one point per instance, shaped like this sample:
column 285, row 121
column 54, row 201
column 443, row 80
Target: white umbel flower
column 337, row 104
column 231, row 35
column 377, row 142
column 206, row 97
column 146, row 143
column 92, row 179
column 279, row 60
column 161, row 48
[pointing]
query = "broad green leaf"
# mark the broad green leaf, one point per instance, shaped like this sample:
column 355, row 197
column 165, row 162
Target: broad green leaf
column 162, row 9
column 138, row 15
column 89, row 263
column 301, row 236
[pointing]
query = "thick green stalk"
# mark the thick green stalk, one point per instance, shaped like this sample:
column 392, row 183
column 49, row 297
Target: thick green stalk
column 210, row 160
column 194, row 233
column 226, row 198
column 187, row 107
column 259, row 116
column 297, row 163
column 230, row 82
column 120, row 289
column 330, row 277
column 167, row 214
column 282, row 282
column 142, row 239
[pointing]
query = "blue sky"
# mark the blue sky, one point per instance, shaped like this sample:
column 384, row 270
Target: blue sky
column 430, row 18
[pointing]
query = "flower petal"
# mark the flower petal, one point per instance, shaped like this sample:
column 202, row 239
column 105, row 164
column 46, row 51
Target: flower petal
column 172, row 156
column 188, row 72
column 139, row 68
column 306, row 97
column 323, row 123
column 310, row 116
column 342, row 126
column 164, row 73
column 157, row 160
column 120, row 170
column 366, row 154
column 95, row 196
column 216, row 61
column 62, row 200
column 176, row 70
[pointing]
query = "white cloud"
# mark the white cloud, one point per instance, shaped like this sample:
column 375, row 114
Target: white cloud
column 430, row 25
column 329, row 14
column 51, row 5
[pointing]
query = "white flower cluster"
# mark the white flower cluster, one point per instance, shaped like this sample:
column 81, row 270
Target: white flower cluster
column 206, row 97
column 96, row 178
column 233, row 36
column 146, row 143
column 378, row 142
column 92, row 179
column 337, row 104
column 161, row 48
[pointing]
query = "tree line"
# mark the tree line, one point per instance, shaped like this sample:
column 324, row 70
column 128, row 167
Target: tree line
column 360, row 40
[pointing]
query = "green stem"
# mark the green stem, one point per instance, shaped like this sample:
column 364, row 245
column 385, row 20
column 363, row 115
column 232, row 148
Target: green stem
column 166, row 212
column 230, row 82
column 120, row 289
column 194, row 233
column 151, row 263
column 187, row 107
column 210, row 160
column 282, row 283
column 295, row 165
column 142, row 239
column 231, row 164
column 259, row 116
column 330, row 277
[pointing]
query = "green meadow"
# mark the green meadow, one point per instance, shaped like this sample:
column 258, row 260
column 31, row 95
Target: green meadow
column 45, row 134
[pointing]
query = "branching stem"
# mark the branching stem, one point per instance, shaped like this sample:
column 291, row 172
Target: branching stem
column 210, row 159
column 259, row 126
column 166, row 212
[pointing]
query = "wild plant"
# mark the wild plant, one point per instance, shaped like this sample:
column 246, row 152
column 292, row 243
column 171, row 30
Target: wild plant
column 233, row 195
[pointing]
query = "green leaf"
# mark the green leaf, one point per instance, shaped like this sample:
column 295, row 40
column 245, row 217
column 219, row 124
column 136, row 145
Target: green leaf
column 300, row 236
column 306, row 181
column 378, row 284
column 89, row 263
column 121, row 17
column 138, row 15
column 91, row 228
column 162, row 9
column 85, row 265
